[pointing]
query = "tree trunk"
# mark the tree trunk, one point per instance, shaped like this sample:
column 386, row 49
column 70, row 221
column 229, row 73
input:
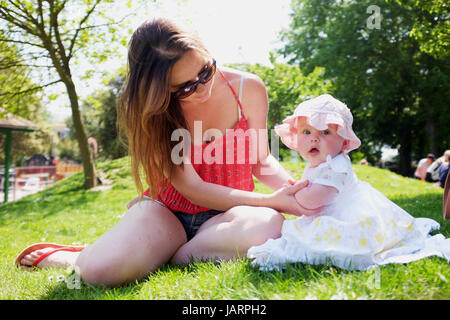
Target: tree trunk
column 90, row 177
column 405, row 155
column 430, row 128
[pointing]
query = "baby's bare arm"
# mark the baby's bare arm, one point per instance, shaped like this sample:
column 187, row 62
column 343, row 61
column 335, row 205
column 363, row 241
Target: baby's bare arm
column 315, row 197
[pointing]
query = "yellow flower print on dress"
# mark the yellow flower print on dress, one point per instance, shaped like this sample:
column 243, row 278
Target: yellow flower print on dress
column 406, row 225
column 316, row 223
column 392, row 222
column 365, row 221
column 298, row 228
column 362, row 243
column 380, row 237
column 331, row 236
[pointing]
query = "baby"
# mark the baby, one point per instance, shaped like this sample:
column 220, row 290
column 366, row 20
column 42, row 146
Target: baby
column 346, row 221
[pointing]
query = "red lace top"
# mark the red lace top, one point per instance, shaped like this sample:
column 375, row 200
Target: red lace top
column 225, row 161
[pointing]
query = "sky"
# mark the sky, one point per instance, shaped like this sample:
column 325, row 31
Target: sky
column 233, row 31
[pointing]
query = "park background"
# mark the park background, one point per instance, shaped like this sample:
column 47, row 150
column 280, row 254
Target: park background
column 62, row 65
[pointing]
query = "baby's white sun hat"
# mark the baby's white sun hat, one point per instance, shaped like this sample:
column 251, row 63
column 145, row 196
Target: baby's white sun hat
column 319, row 113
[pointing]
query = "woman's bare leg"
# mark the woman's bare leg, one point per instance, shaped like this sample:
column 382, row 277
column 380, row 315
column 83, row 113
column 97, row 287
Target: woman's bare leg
column 231, row 234
column 143, row 240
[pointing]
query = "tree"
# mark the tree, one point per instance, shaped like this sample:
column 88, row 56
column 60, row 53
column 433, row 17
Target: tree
column 100, row 117
column 432, row 27
column 51, row 33
column 396, row 91
column 13, row 77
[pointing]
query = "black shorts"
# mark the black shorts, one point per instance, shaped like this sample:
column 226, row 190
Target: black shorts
column 191, row 222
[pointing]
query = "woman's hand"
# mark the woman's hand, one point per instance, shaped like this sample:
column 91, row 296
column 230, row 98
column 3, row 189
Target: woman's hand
column 283, row 199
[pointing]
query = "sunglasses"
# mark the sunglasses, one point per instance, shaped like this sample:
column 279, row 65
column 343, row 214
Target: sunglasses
column 189, row 88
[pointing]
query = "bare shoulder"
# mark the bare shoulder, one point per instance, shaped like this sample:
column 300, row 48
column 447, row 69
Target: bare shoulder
column 251, row 81
column 254, row 92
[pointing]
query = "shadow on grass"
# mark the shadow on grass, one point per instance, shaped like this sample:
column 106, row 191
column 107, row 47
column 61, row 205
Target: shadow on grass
column 71, row 194
column 63, row 291
column 247, row 274
column 425, row 206
column 242, row 280
column 48, row 202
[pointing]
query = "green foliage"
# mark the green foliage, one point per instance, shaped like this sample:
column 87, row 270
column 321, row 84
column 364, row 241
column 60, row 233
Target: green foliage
column 26, row 144
column 53, row 35
column 68, row 149
column 432, row 26
column 100, row 118
column 15, row 83
column 398, row 94
column 286, row 87
column 18, row 97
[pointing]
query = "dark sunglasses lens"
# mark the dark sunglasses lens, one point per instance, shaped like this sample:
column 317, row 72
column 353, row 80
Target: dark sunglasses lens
column 208, row 73
column 186, row 91
column 204, row 78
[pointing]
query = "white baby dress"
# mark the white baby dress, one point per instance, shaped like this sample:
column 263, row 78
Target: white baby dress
column 360, row 229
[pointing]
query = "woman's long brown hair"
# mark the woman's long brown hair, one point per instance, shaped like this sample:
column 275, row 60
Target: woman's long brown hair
column 146, row 111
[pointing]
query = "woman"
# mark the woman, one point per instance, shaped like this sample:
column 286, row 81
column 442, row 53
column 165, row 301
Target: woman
column 202, row 209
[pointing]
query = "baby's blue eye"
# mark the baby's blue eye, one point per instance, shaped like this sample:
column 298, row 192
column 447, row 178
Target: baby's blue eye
column 306, row 131
column 326, row 132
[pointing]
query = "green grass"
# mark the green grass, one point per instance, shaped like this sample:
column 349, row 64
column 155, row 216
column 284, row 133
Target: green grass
column 66, row 213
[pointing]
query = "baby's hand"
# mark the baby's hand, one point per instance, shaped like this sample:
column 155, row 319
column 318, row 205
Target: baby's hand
column 291, row 183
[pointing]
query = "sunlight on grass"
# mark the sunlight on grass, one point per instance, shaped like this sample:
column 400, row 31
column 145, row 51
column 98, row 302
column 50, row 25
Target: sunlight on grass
column 66, row 213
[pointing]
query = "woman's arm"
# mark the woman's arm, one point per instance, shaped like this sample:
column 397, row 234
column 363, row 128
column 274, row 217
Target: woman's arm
column 255, row 103
column 218, row 197
column 270, row 172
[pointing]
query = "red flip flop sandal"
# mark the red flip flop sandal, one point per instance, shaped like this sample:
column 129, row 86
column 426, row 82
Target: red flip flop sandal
column 42, row 245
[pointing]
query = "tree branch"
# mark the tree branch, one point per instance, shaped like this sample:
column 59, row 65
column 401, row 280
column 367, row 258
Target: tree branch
column 13, row 94
column 8, row 15
column 23, row 42
column 85, row 18
column 27, row 15
column 18, row 65
column 55, row 27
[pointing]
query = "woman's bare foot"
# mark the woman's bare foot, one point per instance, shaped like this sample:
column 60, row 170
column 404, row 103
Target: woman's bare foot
column 57, row 259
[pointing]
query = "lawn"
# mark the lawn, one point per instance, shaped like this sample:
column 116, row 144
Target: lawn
column 66, row 213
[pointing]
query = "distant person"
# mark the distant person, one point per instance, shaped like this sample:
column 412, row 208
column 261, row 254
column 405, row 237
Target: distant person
column 422, row 166
column 443, row 170
column 364, row 162
column 432, row 174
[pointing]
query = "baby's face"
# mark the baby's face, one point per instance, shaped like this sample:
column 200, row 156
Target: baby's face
column 315, row 145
